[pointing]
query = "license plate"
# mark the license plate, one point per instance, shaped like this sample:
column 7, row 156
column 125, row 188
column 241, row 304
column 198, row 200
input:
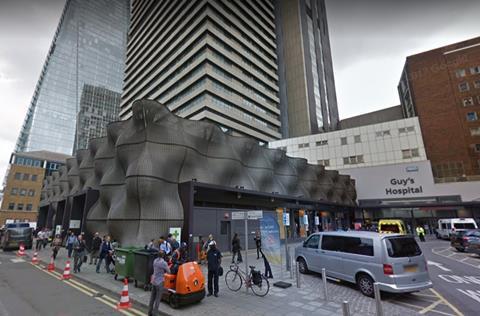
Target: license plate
column 411, row 269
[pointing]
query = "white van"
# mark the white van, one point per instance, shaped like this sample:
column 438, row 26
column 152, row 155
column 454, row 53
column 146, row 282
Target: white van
column 449, row 226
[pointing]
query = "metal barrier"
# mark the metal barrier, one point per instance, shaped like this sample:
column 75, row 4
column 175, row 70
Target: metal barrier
column 378, row 299
column 346, row 308
column 324, row 280
column 297, row 274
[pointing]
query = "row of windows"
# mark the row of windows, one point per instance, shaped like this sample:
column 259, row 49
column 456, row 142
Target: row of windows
column 460, row 73
column 28, row 162
column 20, row 207
column 22, row 192
column 465, row 86
column 25, row 176
column 468, row 101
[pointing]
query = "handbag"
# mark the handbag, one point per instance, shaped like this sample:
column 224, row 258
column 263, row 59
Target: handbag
column 220, row 271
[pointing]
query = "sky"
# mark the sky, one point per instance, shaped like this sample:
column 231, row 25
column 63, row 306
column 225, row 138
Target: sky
column 370, row 40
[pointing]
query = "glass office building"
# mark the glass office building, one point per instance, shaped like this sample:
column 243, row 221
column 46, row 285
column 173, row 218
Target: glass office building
column 88, row 49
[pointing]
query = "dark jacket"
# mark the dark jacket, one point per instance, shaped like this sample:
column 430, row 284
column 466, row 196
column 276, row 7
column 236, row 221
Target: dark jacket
column 236, row 244
column 214, row 259
column 105, row 249
column 258, row 241
column 96, row 243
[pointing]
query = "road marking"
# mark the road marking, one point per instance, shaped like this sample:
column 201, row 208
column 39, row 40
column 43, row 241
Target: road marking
column 438, row 253
column 462, row 260
column 472, row 294
column 430, row 307
column 17, row 260
column 457, row 312
column 438, row 265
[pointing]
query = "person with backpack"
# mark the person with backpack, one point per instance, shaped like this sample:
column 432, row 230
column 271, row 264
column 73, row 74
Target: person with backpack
column 236, row 249
column 214, row 259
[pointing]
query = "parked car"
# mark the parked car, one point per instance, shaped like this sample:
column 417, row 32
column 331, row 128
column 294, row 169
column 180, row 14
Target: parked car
column 392, row 226
column 395, row 261
column 15, row 234
column 462, row 239
column 449, row 226
column 473, row 246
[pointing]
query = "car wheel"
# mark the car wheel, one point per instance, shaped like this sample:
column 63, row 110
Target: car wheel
column 302, row 266
column 365, row 285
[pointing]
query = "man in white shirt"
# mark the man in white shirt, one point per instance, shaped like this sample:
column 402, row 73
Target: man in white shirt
column 39, row 242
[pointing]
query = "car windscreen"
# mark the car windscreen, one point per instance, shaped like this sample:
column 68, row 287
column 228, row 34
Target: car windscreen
column 464, row 226
column 399, row 247
column 393, row 228
column 17, row 225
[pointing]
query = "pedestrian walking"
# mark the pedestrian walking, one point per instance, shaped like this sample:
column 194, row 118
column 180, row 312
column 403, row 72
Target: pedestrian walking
column 236, row 249
column 258, row 243
column 214, row 259
column 95, row 253
column 201, row 253
column 56, row 244
column 79, row 252
column 421, row 233
column 70, row 241
column 39, row 241
column 268, row 270
column 106, row 251
column 160, row 267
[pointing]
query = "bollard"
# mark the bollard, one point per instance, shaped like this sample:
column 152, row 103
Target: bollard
column 346, row 308
column 378, row 299
column 324, row 280
column 292, row 259
column 297, row 274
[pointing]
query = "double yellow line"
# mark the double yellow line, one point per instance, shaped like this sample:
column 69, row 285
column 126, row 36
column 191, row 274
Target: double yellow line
column 105, row 299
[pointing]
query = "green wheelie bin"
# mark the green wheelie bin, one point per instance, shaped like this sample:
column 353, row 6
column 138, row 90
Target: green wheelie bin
column 124, row 262
column 143, row 268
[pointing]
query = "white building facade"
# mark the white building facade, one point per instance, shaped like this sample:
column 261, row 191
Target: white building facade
column 391, row 142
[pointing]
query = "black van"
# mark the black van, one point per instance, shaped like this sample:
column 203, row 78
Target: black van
column 15, row 234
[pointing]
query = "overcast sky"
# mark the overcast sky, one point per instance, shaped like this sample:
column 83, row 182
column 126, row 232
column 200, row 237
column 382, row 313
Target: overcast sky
column 370, row 40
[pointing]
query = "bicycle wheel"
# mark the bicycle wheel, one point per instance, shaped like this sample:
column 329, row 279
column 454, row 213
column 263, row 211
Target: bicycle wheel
column 262, row 288
column 233, row 280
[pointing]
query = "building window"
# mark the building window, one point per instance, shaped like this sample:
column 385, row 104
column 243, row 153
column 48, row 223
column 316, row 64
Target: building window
column 324, row 162
column 472, row 116
column 410, row 153
column 31, row 192
column 475, row 70
column 382, row 133
column 460, row 73
column 357, row 139
column 475, row 131
column 476, row 84
column 23, row 192
column 11, row 206
column 304, row 145
column 34, row 177
column 29, row 207
column 468, row 101
column 20, row 206
column 322, row 143
column 463, row 87
column 14, row 191
column 343, row 140
column 26, row 176
column 353, row 160
column 18, row 176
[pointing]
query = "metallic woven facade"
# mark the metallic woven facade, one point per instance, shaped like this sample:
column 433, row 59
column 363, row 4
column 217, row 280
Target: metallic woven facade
column 137, row 168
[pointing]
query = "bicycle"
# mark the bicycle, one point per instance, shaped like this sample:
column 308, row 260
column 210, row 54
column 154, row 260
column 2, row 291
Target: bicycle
column 235, row 277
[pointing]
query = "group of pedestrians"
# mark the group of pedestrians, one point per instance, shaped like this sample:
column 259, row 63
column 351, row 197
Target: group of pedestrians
column 43, row 238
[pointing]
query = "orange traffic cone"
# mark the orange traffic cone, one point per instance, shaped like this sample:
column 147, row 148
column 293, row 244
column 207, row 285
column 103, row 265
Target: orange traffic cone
column 21, row 251
column 66, row 272
column 51, row 265
column 35, row 258
column 124, row 299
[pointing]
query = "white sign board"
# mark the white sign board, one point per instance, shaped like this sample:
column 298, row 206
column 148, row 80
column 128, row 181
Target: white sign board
column 74, row 223
column 286, row 219
column 317, row 220
column 58, row 229
column 305, row 219
column 255, row 214
column 176, row 233
column 238, row 215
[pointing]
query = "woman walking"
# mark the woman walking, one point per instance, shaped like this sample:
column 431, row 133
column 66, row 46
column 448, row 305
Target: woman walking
column 78, row 253
column 160, row 267
column 236, row 249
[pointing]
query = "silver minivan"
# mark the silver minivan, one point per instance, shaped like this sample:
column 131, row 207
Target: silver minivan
column 394, row 261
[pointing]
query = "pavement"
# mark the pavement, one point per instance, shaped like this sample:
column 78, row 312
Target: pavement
column 306, row 300
column 24, row 290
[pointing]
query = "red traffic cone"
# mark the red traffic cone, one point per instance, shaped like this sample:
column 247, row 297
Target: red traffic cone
column 66, row 272
column 35, row 258
column 21, row 251
column 124, row 299
column 51, row 265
